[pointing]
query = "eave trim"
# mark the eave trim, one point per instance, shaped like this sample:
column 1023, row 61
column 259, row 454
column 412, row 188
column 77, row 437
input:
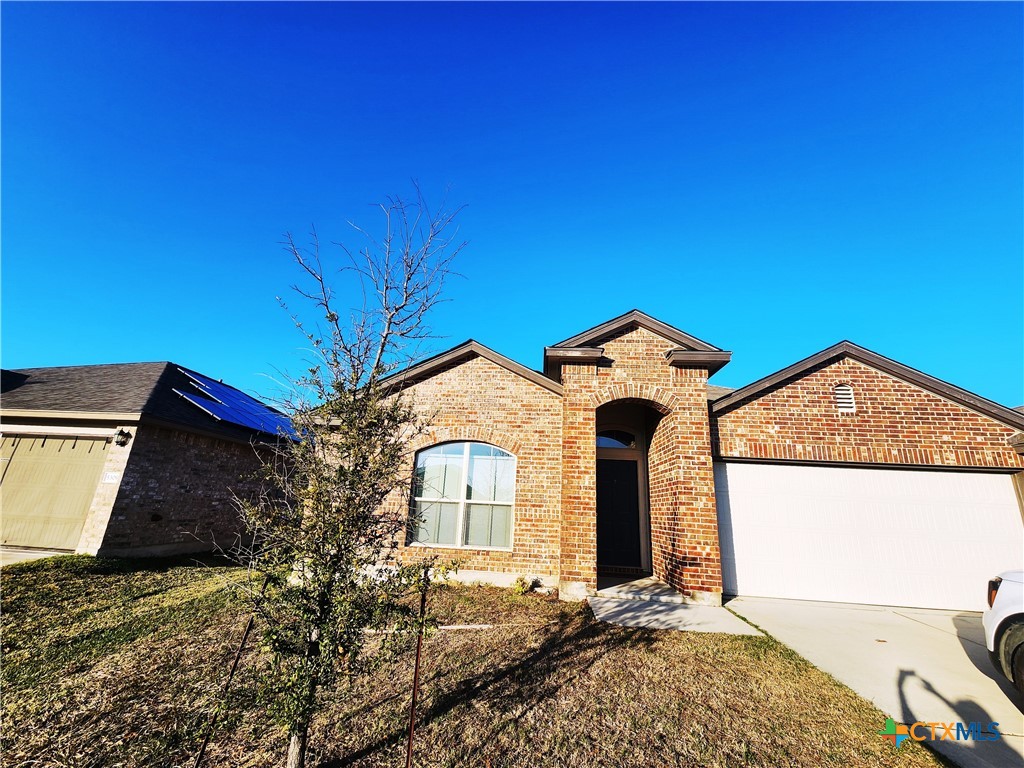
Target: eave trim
column 574, row 353
column 56, row 430
column 688, row 358
column 469, row 348
column 32, row 413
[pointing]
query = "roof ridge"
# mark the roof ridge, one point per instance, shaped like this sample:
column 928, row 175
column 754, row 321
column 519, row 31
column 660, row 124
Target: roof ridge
column 86, row 365
column 651, row 323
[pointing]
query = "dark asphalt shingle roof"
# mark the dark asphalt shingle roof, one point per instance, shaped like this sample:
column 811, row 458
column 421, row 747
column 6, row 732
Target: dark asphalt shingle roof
column 146, row 388
column 117, row 388
column 715, row 391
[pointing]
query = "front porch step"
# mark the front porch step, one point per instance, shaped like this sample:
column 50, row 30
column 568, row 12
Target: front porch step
column 648, row 589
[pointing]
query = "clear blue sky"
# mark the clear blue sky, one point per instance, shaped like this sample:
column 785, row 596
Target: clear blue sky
column 772, row 178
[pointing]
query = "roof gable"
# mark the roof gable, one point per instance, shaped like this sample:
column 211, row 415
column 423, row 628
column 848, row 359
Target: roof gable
column 845, row 349
column 636, row 319
column 457, row 354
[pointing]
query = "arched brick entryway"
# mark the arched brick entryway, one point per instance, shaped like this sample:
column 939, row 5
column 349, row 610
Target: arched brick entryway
column 683, row 524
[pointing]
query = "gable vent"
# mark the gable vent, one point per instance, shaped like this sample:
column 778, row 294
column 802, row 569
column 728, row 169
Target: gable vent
column 844, row 398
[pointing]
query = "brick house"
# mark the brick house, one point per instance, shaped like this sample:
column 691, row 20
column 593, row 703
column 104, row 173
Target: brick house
column 846, row 476
column 126, row 459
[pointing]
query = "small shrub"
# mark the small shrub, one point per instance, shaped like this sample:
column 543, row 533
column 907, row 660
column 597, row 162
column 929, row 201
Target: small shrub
column 524, row 585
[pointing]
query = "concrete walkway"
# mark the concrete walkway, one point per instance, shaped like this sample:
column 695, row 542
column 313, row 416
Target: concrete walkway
column 653, row 604
column 647, row 589
column 678, row 616
column 916, row 665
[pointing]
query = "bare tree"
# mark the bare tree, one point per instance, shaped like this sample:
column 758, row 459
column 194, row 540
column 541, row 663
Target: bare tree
column 324, row 563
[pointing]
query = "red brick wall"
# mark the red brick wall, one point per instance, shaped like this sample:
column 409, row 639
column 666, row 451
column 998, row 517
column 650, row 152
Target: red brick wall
column 176, row 494
column 478, row 400
column 894, row 423
column 684, row 525
column 579, row 489
column 663, row 472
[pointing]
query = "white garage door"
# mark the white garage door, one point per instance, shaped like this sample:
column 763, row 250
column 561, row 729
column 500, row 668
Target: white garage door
column 880, row 536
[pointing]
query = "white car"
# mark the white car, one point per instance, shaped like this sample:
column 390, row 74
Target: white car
column 1004, row 626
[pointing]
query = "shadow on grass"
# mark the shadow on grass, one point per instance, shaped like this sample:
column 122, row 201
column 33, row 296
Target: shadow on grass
column 59, row 618
column 568, row 651
column 109, row 566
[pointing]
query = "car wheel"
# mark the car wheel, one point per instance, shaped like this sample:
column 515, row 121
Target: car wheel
column 1018, row 668
column 1011, row 652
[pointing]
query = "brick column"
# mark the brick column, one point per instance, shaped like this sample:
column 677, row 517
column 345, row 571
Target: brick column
column 634, row 366
column 689, row 559
column 578, row 554
column 100, row 509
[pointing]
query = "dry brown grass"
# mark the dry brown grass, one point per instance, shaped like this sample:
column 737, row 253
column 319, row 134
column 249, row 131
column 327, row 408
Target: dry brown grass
column 121, row 664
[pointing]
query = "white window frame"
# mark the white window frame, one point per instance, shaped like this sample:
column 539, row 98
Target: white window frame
column 460, row 520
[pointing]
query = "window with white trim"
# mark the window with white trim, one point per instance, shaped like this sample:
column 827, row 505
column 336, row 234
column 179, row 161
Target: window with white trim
column 463, row 496
column 844, row 398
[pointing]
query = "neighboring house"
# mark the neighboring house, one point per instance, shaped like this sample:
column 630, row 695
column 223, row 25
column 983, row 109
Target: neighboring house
column 127, row 459
column 845, row 477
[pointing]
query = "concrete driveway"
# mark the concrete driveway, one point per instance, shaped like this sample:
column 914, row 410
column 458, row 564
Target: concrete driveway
column 11, row 555
column 916, row 665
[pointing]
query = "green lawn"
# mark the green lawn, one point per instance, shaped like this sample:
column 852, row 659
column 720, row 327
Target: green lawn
column 120, row 663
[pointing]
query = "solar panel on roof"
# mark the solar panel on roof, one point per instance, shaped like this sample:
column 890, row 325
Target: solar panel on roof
column 226, row 403
column 202, row 389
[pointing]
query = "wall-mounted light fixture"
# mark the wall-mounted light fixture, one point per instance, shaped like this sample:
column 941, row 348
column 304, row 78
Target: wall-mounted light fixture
column 122, row 437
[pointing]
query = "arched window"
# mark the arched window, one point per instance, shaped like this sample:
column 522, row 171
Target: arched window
column 844, row 398
column 615, row 438
column 463, row 496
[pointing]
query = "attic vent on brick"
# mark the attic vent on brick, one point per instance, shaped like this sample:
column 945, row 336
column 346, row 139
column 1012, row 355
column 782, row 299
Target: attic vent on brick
column 844, row 398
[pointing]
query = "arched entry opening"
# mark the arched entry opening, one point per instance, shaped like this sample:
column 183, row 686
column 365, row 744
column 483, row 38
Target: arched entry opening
column 624, row 431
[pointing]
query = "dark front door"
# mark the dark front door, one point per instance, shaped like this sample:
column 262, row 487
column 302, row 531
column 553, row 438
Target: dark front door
column 618, row 517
